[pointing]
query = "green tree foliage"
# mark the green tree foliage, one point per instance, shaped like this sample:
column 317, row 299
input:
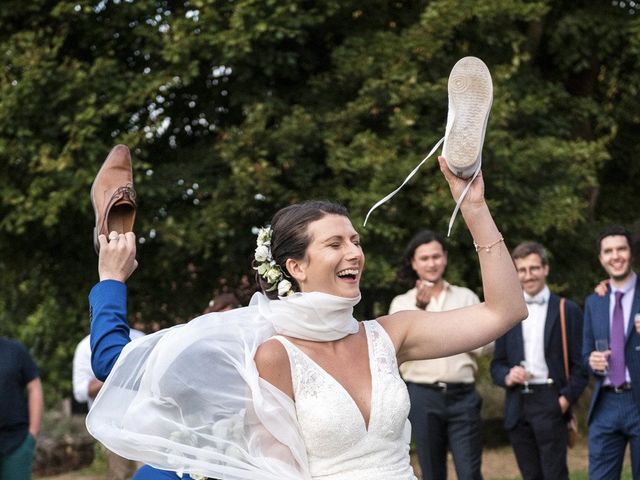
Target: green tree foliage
column 234, row 109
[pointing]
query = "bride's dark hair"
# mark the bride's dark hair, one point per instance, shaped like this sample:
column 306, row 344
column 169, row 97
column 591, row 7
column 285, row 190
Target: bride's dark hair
column 290, row 238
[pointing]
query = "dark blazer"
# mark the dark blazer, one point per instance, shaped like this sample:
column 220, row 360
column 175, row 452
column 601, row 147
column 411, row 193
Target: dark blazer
column 596, row 325
column 509, row 351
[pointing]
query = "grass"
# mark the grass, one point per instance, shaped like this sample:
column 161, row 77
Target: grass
column 626, row 474
column 579, row 475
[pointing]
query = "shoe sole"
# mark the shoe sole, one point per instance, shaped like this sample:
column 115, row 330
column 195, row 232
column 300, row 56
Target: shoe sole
column 470, row 95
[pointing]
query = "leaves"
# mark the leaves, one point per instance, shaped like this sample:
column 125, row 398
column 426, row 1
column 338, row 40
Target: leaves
column 236, row 109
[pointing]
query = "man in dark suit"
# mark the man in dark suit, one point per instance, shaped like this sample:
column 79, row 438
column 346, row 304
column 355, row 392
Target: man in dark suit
column 528, row 362
column 611, row 348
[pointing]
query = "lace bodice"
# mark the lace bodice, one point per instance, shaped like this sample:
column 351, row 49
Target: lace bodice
column 339, row 445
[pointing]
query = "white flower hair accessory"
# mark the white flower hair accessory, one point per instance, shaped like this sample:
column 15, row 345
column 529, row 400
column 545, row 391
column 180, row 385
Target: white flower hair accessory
column 267, row 267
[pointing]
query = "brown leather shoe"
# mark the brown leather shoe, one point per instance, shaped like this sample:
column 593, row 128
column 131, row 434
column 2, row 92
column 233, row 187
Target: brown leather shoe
column 112, row 195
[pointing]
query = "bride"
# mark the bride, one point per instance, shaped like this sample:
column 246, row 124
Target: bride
column 291, row 387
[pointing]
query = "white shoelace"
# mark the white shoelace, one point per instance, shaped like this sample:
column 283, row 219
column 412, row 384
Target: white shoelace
column 413, row 172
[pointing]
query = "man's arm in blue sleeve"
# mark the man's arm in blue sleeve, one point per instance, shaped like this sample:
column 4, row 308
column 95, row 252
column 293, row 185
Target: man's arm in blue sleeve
column 109, row 327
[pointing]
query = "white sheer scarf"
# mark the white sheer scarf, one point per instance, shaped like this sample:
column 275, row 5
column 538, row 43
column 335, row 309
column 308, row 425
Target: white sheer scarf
column 189, row 398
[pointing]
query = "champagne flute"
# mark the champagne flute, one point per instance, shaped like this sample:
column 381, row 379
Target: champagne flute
column 526, row 388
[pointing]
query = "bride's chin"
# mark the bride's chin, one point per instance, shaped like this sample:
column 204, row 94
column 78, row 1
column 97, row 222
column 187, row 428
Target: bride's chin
column 351, row 292
column 344, row 291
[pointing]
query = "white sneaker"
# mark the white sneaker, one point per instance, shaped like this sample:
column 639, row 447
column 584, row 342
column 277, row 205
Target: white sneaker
column 470, row 98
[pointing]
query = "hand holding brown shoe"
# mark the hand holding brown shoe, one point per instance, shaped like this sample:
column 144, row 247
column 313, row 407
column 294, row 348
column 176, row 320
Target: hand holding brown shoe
column 117, row 257
column 112, row 195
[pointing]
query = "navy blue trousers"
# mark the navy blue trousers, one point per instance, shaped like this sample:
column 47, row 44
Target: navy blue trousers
column 539, row 439
column 447, row 420
column 614, row 423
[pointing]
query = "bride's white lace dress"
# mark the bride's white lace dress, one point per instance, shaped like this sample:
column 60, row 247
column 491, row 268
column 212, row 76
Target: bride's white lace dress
column 340, row 446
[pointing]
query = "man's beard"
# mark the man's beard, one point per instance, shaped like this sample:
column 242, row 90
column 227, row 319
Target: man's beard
column 623, row 276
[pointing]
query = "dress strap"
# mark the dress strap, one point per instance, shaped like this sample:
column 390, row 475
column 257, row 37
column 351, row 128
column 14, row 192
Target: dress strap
column 287, row 344
column 382, row 347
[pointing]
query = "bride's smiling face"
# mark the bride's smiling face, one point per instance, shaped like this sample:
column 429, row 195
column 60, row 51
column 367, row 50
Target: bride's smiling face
column 333, row 261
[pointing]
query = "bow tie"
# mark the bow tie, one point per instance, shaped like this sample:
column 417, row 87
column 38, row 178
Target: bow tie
column 537, row 300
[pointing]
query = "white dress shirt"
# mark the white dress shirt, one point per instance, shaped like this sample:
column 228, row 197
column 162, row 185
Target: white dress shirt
column 533, row 336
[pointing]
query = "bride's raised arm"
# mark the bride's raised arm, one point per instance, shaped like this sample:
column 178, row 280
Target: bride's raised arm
column 419, row 334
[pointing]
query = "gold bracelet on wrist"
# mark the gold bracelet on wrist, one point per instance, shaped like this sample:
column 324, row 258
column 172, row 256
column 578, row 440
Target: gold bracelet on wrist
column 487, row 248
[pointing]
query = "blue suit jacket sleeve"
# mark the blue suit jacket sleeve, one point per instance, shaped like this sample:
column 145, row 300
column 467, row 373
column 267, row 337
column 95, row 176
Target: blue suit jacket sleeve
column 109, row 327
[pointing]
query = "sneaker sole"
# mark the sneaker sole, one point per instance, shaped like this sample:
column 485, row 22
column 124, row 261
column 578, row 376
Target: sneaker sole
column 470, row 95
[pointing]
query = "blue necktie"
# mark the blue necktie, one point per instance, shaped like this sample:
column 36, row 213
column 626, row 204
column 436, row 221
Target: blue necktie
column 616, row 361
